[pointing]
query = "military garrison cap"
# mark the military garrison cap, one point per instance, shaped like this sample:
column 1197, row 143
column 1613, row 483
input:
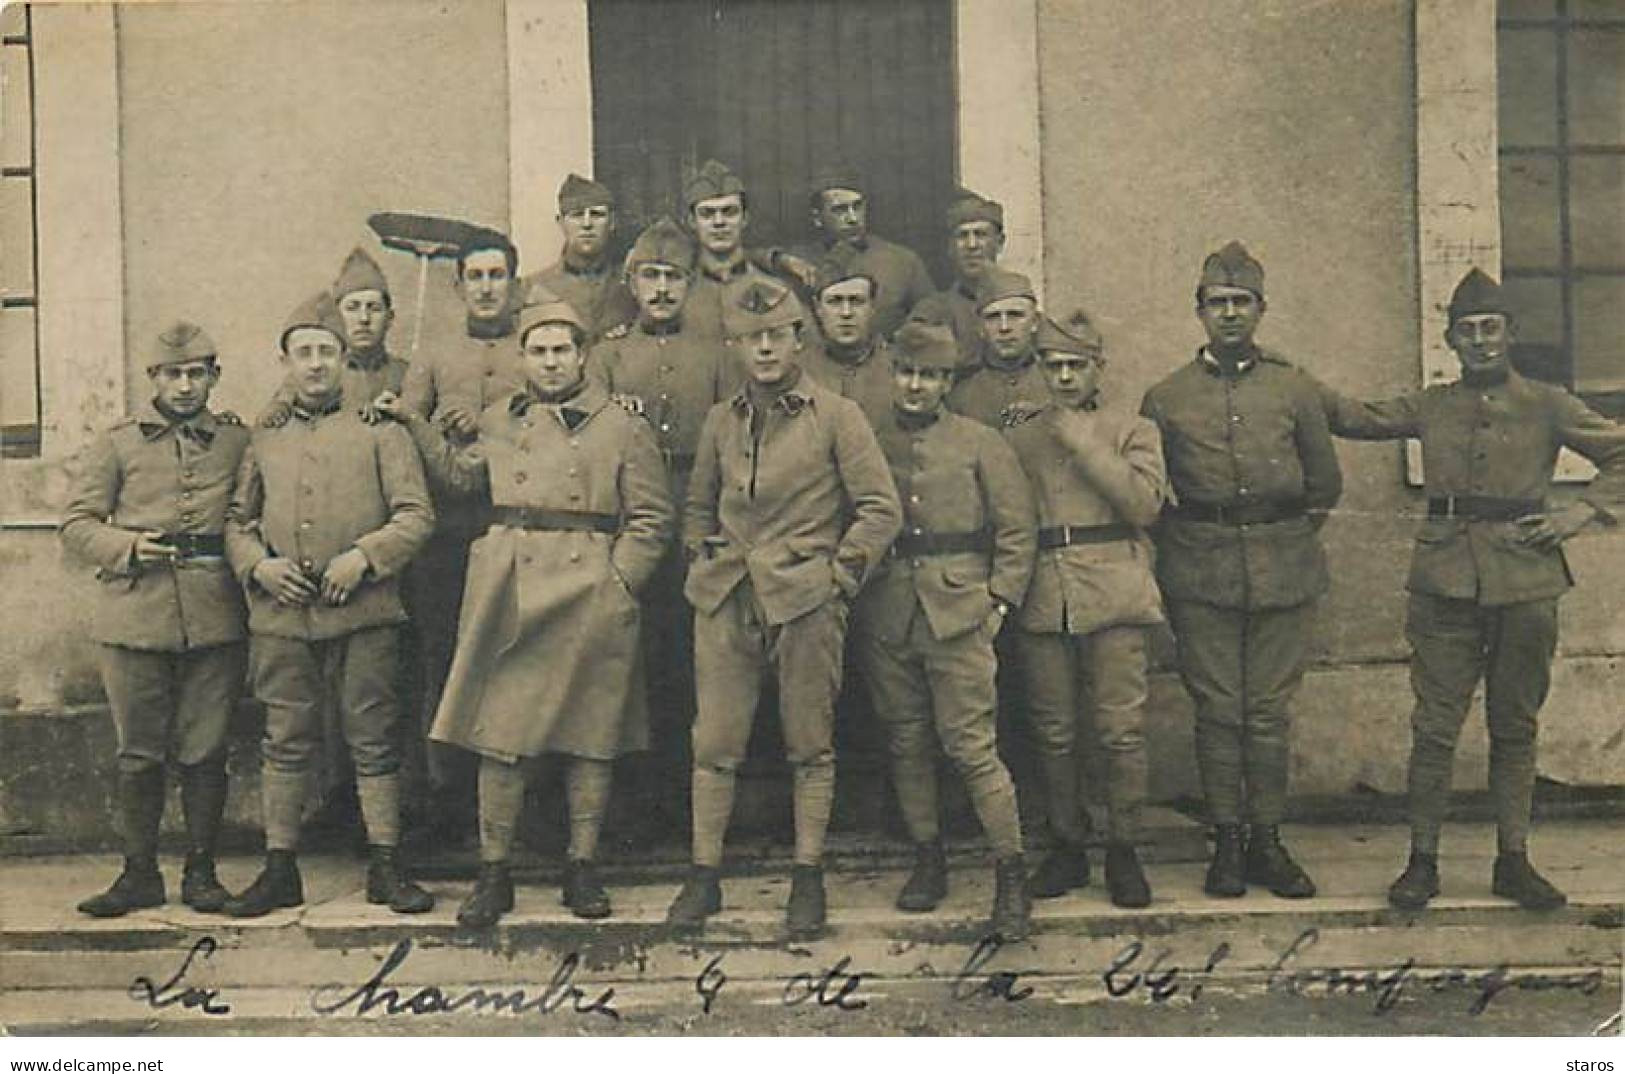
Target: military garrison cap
column 360, row 273
column 921, row 343
column 713, row 180
column 1476, row 293
column 180, row 343
column 1232, row 266
column 577, row 193
column 969, row 205
column 763, row 304
column 662, row 242
column 1000, row 284
column 835, row 176
column 1073, row 334
column 840, row 263
column 317, row 311
column 543, row 307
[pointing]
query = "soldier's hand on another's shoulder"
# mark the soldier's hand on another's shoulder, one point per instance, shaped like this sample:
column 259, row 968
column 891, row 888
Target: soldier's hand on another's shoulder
column 343, row 575
column 633, row 404
column 387, row 407
column 228, row 417
column 1552, row 528
column 286, row 581
column 799, row 269
column 150, row 549
column 459, row 422
column 1018, row 412
column 276, row 415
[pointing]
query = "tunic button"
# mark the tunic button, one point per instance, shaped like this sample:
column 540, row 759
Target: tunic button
column 305, row 525
column 575, row 557
column 519, row 478
column 575, row 495
column 916, row 563
column 1242, row 490
column 913, row 499
column 575, row 445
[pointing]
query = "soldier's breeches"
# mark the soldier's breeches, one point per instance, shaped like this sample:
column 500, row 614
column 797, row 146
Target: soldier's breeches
column 1058, row 671
column 171, row 704
column 586, row 792
column 929, row 692
column 733, row 649
column 1454, row 644
column 502, row 796
column 1242, row 669
column 295, row 680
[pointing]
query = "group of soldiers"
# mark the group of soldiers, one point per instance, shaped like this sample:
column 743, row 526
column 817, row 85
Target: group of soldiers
column 706, row 464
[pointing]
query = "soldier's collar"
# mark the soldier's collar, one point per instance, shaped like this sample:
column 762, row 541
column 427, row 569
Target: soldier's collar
column 846, row 357
column 856, row 244
column 370, row 361
column 792, row 400
column 723, row 273
column 660, row 328
column 154, row 423
column 588, row 269
column 330, row 406
column 1215, row 367
column 498, row 327
column 589, row 400
column 1022, row 362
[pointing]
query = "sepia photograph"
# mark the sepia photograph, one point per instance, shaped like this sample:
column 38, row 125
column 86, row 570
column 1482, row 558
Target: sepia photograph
column 812, row 518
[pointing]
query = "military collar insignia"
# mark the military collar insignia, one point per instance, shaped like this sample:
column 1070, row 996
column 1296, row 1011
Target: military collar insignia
column 1214, row 367
column 154, row 423
column 304, row 413
column 792, row 401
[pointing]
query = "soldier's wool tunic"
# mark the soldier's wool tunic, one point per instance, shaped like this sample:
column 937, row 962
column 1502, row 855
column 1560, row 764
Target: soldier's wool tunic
column 996, row 391
column 900, row 276
column 171, row 634
column 925, row 625
column 596, row 292
column 864, row 378
column 1483, row 603
column 548, row 648
column 1251, row 465
column 1082, row 628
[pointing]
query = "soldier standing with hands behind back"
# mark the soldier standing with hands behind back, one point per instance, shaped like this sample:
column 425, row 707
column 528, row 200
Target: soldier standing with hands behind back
column 1487, row 572
column 148, row 508
column 1253, row 470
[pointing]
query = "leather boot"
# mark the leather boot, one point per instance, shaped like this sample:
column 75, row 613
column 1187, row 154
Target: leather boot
column 700, row 897
column 927, row 885
column 1227, row 874
column 1012, row 900
column 1125, row 880
column 491, row 898
column 140, row 810
column 1065, row 867
column 203, row 803
column 583, row 893
column 1269, row 865
column 200, row 887
column 1516, row 879
column 805, row 914
column 1417, row 884
column 278, row 886
column 388, row 884
column 138, row 886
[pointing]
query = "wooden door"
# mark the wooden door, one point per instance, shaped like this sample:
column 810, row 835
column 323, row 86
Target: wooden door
column 774, row 89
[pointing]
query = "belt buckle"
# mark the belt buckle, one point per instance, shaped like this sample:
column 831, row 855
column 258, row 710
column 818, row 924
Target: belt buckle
column 1066, row 536
column 1450, row 510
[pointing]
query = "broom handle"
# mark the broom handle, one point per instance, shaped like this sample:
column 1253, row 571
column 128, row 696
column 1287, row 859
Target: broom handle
column 417, row 316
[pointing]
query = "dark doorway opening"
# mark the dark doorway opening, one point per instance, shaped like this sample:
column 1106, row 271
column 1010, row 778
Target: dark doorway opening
column 774, row 89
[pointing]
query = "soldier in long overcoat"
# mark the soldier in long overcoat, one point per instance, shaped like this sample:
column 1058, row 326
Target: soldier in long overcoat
column 548, row 652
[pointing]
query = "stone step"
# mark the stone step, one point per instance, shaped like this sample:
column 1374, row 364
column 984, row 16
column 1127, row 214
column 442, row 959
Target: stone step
column 60, row 968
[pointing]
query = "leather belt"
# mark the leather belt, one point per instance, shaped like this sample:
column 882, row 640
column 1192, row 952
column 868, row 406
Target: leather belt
column 1064, row 536
column 942, row 544
column 1239, row 514
column 542, row 518
column 191, row 545
column 1482, row 508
